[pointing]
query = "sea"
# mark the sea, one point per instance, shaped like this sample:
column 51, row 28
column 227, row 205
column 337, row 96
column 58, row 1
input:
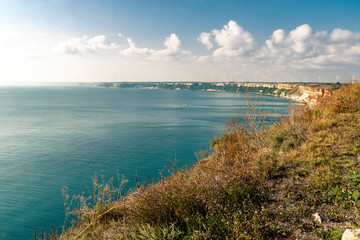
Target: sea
column 52, row 137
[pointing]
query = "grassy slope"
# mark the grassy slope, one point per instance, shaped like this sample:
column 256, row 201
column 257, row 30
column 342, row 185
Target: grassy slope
column 257, row 184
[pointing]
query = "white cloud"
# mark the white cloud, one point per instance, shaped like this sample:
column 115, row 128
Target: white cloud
column 172, row 43
column 233, row 36
column 303, row 49
column 204, row 58
column 353, row 50
column 230, row 47
column 301, row 33
column 340, row 35
column 232, row 41
column 132, row 50
column 297, row 43
column 278, row 36
column 299, row 37
column 171, row 51
column 205, row 38
column 84, row 45
column 299, row 48
column 321, row 35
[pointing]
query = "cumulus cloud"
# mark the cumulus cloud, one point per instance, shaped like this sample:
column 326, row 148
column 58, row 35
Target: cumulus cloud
column 84, row 45
column 353, row 50
column 232, row 36
column 278, row 36
column 276, row 39
column 340, row 35
column 299, row 37
column 304, row 49
column 299, row 48
column 232, row 40
column 172, row 49
column 132, row 50
column 172, row 43
column 205, row 38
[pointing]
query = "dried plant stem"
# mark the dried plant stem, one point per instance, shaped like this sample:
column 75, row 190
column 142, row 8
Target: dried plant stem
column 97, row 218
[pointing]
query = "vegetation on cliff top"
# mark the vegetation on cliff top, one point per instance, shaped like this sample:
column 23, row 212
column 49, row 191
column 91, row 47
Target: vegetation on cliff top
column 257, row 183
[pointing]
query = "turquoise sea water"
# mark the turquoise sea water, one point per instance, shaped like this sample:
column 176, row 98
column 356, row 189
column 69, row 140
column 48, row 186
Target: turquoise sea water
column 56, row 136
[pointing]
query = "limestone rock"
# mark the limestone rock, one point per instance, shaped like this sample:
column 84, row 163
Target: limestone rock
column 317, row 218
column 351, row 234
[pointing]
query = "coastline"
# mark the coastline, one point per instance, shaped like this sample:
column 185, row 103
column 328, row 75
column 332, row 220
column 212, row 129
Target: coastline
column 308, row 93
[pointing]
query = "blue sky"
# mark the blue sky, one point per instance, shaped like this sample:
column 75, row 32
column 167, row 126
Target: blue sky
column 184, row 40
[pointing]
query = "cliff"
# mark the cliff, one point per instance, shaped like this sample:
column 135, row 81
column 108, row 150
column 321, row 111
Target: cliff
column 306, row 93
column 300, row 92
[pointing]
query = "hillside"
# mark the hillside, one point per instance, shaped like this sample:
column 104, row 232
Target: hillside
column 257, row 183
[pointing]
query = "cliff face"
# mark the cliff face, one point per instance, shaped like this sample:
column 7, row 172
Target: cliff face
column 309, row 93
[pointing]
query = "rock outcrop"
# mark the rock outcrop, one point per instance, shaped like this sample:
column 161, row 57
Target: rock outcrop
column 351, row 234
column 310, row 94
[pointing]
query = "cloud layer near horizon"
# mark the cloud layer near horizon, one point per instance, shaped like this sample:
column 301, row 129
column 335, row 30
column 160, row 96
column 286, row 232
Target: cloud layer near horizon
column 301, row 48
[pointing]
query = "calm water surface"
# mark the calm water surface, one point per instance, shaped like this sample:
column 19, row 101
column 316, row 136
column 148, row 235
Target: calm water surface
column 56, row 136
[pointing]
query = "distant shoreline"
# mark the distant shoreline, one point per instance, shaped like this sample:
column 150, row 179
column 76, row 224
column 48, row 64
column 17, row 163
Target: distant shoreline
column 309, row 93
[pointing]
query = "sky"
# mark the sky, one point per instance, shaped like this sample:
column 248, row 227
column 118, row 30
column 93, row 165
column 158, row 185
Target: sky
column 49, row 41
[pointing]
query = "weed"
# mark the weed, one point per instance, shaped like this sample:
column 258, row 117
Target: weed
column 335, row 215
column 89, row 209
column 330, row 233
column 147, row 231
column 354, row 176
